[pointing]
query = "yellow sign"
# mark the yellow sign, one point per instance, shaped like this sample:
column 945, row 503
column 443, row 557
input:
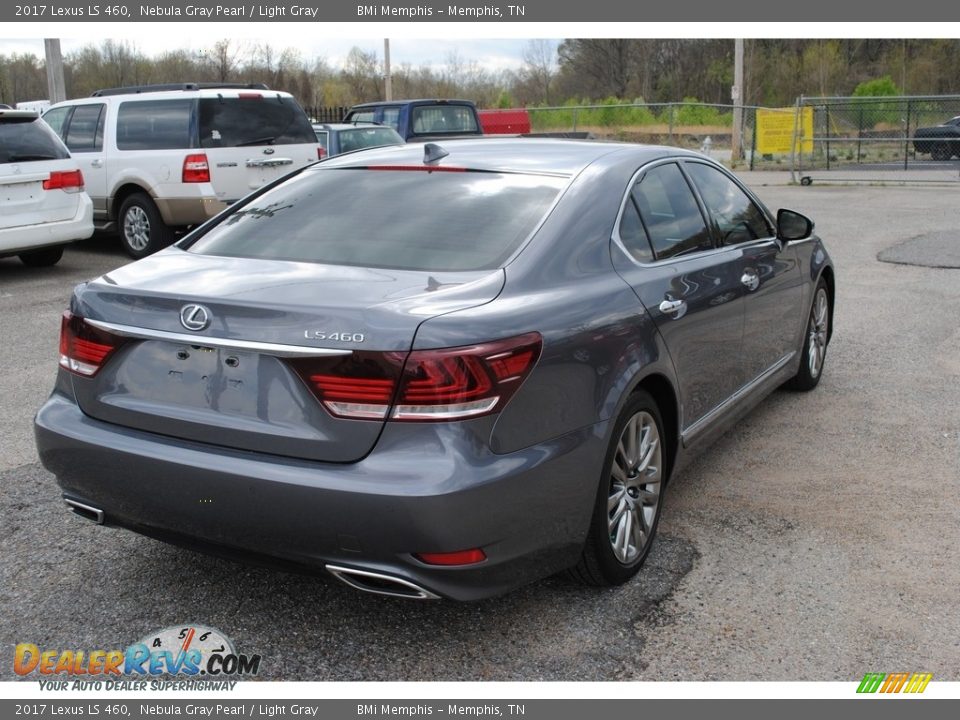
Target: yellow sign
column 776, row 130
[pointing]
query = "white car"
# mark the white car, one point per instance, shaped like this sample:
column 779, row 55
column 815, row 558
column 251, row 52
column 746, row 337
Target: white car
column 43, row 205
column 162, row 158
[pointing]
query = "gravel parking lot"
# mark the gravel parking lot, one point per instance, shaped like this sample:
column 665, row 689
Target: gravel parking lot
column 817, row 540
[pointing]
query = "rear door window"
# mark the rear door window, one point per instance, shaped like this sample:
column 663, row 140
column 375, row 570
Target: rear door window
column 257, row 119
column 670, row 213
column 414, row 220
column 85, row 131
column 154, row 125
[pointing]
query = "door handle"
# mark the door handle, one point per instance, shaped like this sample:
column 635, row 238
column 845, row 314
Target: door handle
column 750, row 280
column 673, row 306
column 97, row 163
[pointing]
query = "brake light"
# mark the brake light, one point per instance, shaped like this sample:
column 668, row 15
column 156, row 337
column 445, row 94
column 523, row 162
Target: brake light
column 321, row 153
column 431, row 386
column 84, row 349
column 70, row 181
column 250, row 96
column 196, row 168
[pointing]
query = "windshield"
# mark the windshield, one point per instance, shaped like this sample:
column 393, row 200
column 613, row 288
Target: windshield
column 433, row 221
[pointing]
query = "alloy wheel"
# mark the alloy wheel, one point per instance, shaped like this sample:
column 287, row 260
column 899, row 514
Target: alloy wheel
column 633, row 499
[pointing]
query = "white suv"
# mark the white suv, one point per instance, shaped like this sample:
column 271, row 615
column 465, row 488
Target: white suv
column 42, row 203
column 158, row 158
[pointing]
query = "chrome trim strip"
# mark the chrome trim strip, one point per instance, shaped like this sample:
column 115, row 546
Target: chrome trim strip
column 276, row 349
column 692, row 431
column 345, row 574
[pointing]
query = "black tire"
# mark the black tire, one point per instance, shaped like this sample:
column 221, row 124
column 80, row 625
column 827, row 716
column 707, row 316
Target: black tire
column 600, row 563
column 816, row 335
column 941, row 151
column 142, row 230
column 42, row 258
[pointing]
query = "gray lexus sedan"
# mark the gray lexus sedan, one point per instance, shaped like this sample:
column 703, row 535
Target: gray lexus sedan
column 437, row 370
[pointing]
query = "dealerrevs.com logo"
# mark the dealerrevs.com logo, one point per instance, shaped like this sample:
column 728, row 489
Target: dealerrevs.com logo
column 191, row 650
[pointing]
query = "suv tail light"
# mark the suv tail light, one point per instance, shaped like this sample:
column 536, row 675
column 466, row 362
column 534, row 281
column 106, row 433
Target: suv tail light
column 70, row 181
column 196, row 168
column 431, row 386
column 83, row 348
column 321, row 153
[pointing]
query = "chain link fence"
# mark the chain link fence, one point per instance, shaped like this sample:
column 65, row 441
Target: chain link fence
column 873, row 136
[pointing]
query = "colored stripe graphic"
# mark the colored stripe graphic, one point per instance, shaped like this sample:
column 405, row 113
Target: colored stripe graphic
column 894, row 682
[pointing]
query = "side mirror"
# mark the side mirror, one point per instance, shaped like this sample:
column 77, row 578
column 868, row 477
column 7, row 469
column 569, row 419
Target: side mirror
column 793, row 226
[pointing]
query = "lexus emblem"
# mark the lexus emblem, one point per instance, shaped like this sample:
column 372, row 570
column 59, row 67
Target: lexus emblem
column 194, row 317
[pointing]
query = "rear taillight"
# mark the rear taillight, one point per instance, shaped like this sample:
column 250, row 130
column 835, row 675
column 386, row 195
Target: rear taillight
column 321, row 153
column 431, row 386
column 70, row 181
column 196, row 168
column 84, row 349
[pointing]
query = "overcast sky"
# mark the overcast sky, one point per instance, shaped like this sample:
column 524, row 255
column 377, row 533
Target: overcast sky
column 492, row 55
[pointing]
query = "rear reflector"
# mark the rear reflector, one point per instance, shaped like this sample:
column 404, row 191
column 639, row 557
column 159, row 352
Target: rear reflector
column 461, row 557
column 84, row 349
column 431, row 386
column 69, row 181
column 196, row 168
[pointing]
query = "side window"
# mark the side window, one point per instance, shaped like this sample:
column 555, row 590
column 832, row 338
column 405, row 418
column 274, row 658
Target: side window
column 670, row 213
column 737, row 217
column 154, row 125
column 56, row 118
column 391, row 117
column 632, row 234
column 85, row 132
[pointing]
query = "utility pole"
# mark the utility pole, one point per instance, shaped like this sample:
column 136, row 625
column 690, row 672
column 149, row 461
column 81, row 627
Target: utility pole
column 387, row 81
column 55, row 86
column 736, row 94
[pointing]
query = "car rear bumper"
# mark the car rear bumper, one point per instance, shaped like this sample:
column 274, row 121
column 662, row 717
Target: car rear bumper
column 32, row 237
column 424, row 489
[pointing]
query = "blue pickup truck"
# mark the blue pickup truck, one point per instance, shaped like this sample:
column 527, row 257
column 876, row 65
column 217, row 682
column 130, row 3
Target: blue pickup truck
column 417, row 120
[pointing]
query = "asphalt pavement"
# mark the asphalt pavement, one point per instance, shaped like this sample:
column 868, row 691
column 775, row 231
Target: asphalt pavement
column 817, row 540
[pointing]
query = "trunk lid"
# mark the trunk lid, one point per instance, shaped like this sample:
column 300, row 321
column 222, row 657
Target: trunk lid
column 233, row 383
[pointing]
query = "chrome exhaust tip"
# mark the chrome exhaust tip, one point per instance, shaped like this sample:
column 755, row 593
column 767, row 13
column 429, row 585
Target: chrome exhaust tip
column 380, row 584
column 85, row 511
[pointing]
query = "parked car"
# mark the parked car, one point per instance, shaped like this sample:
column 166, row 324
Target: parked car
column 42, row 202
column 941, row 142
column 417, row 120
column 482, row 377
column 161, row 158
column 337, row 138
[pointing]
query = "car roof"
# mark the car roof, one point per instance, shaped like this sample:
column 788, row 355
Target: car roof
column 535, row 155
column 378, row 103
column 18, row 114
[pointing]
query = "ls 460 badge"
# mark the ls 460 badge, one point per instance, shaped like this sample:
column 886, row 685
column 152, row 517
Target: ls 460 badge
column 335, row 336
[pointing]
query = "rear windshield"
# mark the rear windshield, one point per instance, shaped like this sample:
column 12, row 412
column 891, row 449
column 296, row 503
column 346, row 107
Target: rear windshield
column 29, row 140
column 438, row 119
column 412, row 220
column 260, row 119
column 368, row 137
